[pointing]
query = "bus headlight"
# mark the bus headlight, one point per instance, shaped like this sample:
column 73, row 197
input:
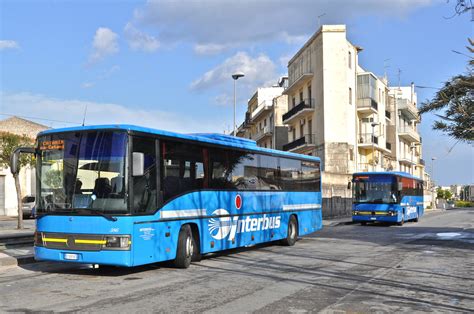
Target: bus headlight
column 117, row 242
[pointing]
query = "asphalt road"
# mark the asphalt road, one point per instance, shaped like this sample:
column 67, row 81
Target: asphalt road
column 423, row 267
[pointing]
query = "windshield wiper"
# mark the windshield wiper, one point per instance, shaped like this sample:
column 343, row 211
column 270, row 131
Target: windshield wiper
column 97, row 212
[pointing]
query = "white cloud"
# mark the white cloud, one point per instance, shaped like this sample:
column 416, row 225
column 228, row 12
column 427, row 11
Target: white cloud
column 212, row 25
column 8, row 44
column 103, row 45
column 210, row 49
column 259, row 71
column 138, row 40
column 87, row 84
column 72, row 110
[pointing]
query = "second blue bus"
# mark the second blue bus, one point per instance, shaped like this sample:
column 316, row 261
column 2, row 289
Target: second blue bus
column 392, row 197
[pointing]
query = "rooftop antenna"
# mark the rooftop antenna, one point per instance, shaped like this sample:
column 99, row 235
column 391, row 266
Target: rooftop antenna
column 399, row 73
column 84, row 118
column 319, row 19
column 385, row 67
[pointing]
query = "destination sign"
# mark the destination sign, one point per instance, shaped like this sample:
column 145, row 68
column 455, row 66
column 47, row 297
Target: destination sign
column 52, row 145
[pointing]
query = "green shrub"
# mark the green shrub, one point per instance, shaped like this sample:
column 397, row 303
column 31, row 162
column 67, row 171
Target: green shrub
column 463, row 204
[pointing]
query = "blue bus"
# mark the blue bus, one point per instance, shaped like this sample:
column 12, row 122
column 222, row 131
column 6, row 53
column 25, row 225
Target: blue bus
column 393, row 197
column 126, row 195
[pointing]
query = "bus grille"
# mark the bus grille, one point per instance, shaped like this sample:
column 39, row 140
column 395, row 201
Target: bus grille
column 71, row 241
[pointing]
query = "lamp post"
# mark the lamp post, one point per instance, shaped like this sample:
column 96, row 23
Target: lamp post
column 373, row 124
column 236, row 76
column 432, row 170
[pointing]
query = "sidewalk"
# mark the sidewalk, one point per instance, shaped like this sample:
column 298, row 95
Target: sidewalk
column 16, row 246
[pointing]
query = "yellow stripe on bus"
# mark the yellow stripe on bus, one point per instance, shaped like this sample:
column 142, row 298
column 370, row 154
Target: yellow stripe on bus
column 55, row 240
column 89, row 241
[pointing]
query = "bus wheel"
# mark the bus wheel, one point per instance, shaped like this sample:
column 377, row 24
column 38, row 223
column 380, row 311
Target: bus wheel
column 292, row 233
column 185, row 250
column 417, row 217
column 401, row 221
column 363, row 223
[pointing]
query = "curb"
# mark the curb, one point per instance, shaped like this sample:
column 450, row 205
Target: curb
column 7, row 261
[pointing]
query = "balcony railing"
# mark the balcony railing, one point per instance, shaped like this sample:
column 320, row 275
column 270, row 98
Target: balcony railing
column 368, row 138
column 408, row 107
column 308, row 139
column 267, row 130
column 367, row 103
column 264, row 105
column 305, row 104
column 410, row 133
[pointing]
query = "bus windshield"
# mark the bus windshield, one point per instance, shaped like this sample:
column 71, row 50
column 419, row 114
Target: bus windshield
column 378, row 191
column 83, row 172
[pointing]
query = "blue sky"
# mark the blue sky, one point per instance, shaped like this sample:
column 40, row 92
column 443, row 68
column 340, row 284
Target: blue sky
column 167, row 64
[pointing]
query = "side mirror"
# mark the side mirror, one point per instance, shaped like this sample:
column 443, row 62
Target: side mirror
column 349, row 185
column 15, row 158
column 138, row 164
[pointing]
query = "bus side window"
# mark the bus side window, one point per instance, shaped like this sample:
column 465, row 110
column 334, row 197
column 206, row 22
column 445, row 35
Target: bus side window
column 183, row 168
column 144, row 187
column 290, row 174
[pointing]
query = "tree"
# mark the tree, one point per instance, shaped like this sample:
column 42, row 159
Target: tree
column 456, row 97
column 8, row 143
column 444, row 194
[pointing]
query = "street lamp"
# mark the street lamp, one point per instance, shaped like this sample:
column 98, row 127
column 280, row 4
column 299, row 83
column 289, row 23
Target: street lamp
column 236, row 76
column 432, row 169
column 373, row 124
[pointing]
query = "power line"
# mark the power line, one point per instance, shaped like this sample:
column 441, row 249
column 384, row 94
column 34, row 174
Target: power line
column 37, row 118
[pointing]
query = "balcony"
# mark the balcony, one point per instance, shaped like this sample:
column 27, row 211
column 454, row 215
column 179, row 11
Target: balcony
column 298, row 111
column 264, row 107
column 298, row 82
column 407, row 159
column 366, row 140
column 408, row 108
column 367, row 105
column 265, row 132
column 307, row 141
column 408, row 133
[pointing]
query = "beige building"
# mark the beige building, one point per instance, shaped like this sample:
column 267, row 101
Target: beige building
column 346, row 115
column 8, row 198
column 263, row 119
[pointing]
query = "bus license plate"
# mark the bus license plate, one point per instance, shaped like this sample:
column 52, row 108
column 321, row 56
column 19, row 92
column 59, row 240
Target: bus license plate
column 71, row 256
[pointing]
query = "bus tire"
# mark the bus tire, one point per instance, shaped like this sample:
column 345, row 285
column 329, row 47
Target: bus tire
column 363, row 223
column 401, row 222
column 292, row 233
column 185, row 248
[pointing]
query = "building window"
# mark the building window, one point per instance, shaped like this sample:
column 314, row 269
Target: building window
column 309, row 94
column 265, row 122
column 350, row 60
column 301, row 96
column 293, row 101
column 351, row 154
column 350, row 96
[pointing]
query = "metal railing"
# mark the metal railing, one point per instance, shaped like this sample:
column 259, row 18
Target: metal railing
column 266, row 130
column 307, row 103
column 368, row 138
column 307, row 139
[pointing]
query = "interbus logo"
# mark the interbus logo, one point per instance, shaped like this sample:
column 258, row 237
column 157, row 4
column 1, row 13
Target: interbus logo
column 226, row 226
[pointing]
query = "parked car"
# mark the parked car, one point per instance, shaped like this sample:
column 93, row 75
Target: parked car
column 28, row 203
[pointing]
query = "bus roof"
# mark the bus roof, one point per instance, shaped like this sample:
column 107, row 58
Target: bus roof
column 210, row 138
column 393, row 173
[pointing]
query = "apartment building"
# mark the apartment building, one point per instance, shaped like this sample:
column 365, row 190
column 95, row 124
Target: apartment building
column 263, row 119
column 348, row 116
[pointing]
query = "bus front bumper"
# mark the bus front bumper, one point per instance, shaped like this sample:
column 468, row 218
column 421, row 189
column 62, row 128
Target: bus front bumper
column 104, row 257
column 366, row 216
